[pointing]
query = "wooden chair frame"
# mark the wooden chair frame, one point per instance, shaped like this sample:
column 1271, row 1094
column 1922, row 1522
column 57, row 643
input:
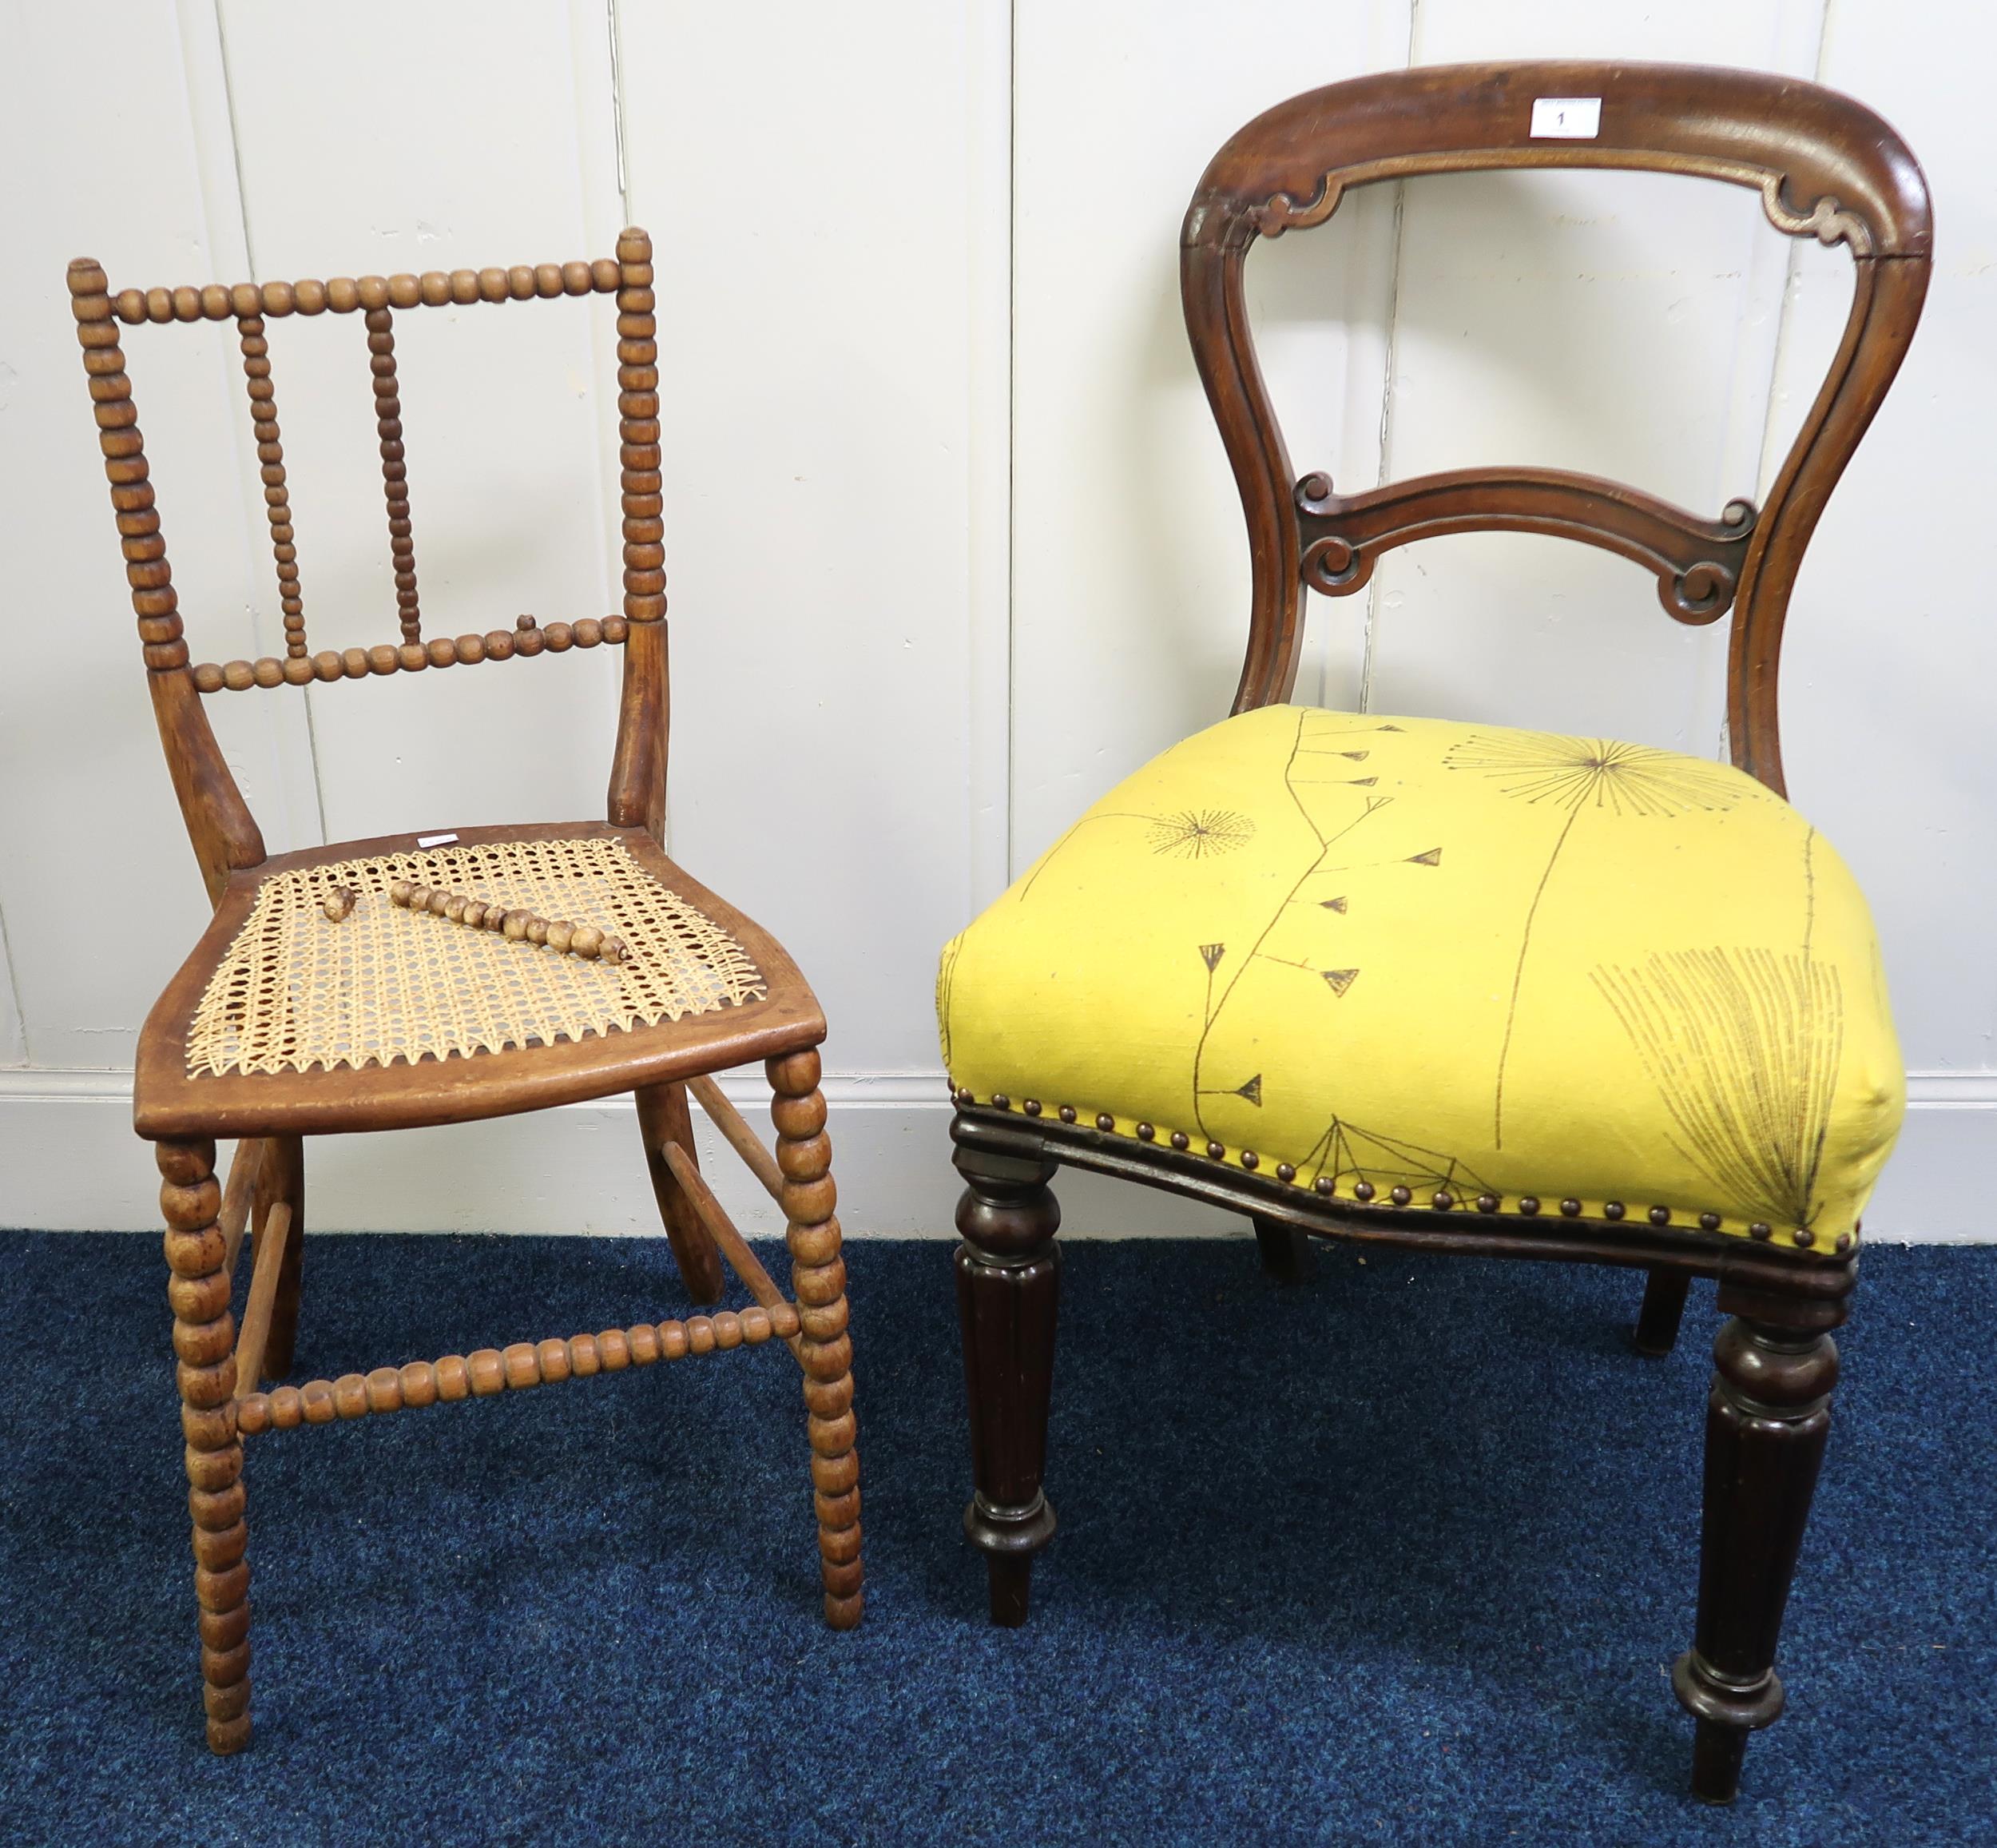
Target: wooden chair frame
column 222, row 1368
column 1823, row 166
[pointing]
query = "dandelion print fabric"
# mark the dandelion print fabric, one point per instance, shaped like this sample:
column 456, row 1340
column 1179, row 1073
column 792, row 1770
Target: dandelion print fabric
column 1397, row 953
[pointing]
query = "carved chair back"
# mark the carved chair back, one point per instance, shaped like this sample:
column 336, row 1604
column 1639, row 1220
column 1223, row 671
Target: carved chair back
column 224, row 834
column 1823, row 166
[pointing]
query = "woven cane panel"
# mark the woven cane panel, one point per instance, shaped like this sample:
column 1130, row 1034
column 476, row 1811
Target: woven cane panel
column 296, row 990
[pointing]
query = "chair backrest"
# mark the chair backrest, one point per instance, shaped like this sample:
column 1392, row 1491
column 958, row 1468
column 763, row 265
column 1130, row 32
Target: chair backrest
column 1823, row 166
column 224, row 834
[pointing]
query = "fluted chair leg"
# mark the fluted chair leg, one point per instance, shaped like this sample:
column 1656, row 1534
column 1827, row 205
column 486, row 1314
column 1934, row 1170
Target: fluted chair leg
column 1285, row 1250
column 204, row 1345
column 663, row 1118
column 1767, row 1418
column 818, row 1280
column 1657, row 1330
column 1008, row 1289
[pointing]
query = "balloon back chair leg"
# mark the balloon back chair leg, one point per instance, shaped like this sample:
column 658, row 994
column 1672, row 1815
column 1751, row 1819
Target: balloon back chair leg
column 663, row 1118
column 825, row 1350
column 205, row 1345
column 1767, row 1419
column 1008, row 1289
column 1285, row 1250
column 1657, row 1330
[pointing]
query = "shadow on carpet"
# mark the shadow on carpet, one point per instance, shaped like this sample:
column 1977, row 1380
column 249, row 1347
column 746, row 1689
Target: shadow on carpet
column 1402, row 1555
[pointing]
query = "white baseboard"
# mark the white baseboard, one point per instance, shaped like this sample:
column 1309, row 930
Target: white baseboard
column 68, row 1160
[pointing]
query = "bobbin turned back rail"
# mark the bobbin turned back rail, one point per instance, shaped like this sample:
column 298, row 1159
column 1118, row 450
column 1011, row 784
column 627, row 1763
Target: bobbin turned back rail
column 376, row 298
column 225, row 835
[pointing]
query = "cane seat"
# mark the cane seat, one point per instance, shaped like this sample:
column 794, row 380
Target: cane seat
column 283, row 1015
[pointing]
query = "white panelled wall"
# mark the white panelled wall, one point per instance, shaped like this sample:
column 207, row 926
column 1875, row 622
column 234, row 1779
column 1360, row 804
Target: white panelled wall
column 952, row 541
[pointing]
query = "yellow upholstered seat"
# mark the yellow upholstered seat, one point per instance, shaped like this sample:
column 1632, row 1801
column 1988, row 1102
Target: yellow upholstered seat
column 1420, row 962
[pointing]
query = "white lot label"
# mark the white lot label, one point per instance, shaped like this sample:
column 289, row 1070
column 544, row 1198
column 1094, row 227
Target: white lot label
column 434, row 840
column 1567, row 118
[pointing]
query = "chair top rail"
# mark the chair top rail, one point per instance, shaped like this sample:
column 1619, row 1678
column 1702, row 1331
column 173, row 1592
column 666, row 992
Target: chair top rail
column 346, row 295
column 1823, row 166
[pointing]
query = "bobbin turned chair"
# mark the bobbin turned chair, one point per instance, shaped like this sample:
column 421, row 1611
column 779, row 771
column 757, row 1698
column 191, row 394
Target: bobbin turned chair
column 405, row 980
column 1457, row 988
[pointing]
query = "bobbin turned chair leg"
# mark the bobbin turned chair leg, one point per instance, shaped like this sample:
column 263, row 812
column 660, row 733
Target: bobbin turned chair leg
column 818, row 1280
column 663, row 1118
column 281, row 1177
column 1767, row 1418
column 1285, row 1250
column 1008, row 1289
column 1657, row 1330
column 204, row 1343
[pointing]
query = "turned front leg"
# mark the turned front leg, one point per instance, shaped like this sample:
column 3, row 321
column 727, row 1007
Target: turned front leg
column 818, row 1280
column 1767, row 1419
column 1008, row 1289
column 204, row 1343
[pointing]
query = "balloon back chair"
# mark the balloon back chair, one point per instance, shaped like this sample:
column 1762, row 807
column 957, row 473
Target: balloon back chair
column 409, row 980
column 1454, row 986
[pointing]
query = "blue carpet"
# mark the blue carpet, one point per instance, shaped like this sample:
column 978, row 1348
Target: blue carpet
column 1400, row 1556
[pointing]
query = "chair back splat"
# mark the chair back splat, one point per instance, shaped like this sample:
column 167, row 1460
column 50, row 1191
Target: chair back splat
column 223, row 832
column 1823, row 166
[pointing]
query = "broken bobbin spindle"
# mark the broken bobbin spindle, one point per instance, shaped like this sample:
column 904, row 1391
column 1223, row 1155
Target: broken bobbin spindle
column 575, row 940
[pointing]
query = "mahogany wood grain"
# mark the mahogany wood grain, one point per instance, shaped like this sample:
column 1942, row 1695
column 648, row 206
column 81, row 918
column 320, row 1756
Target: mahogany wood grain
column 1285, row 1250
column 1657, row 1330
column 1008, row 1281
column 1767, row 1419
column 1790, row 1275
column 1822, row 166
column 1825, row 166
column 1008, row 1292
column 1697, row 562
